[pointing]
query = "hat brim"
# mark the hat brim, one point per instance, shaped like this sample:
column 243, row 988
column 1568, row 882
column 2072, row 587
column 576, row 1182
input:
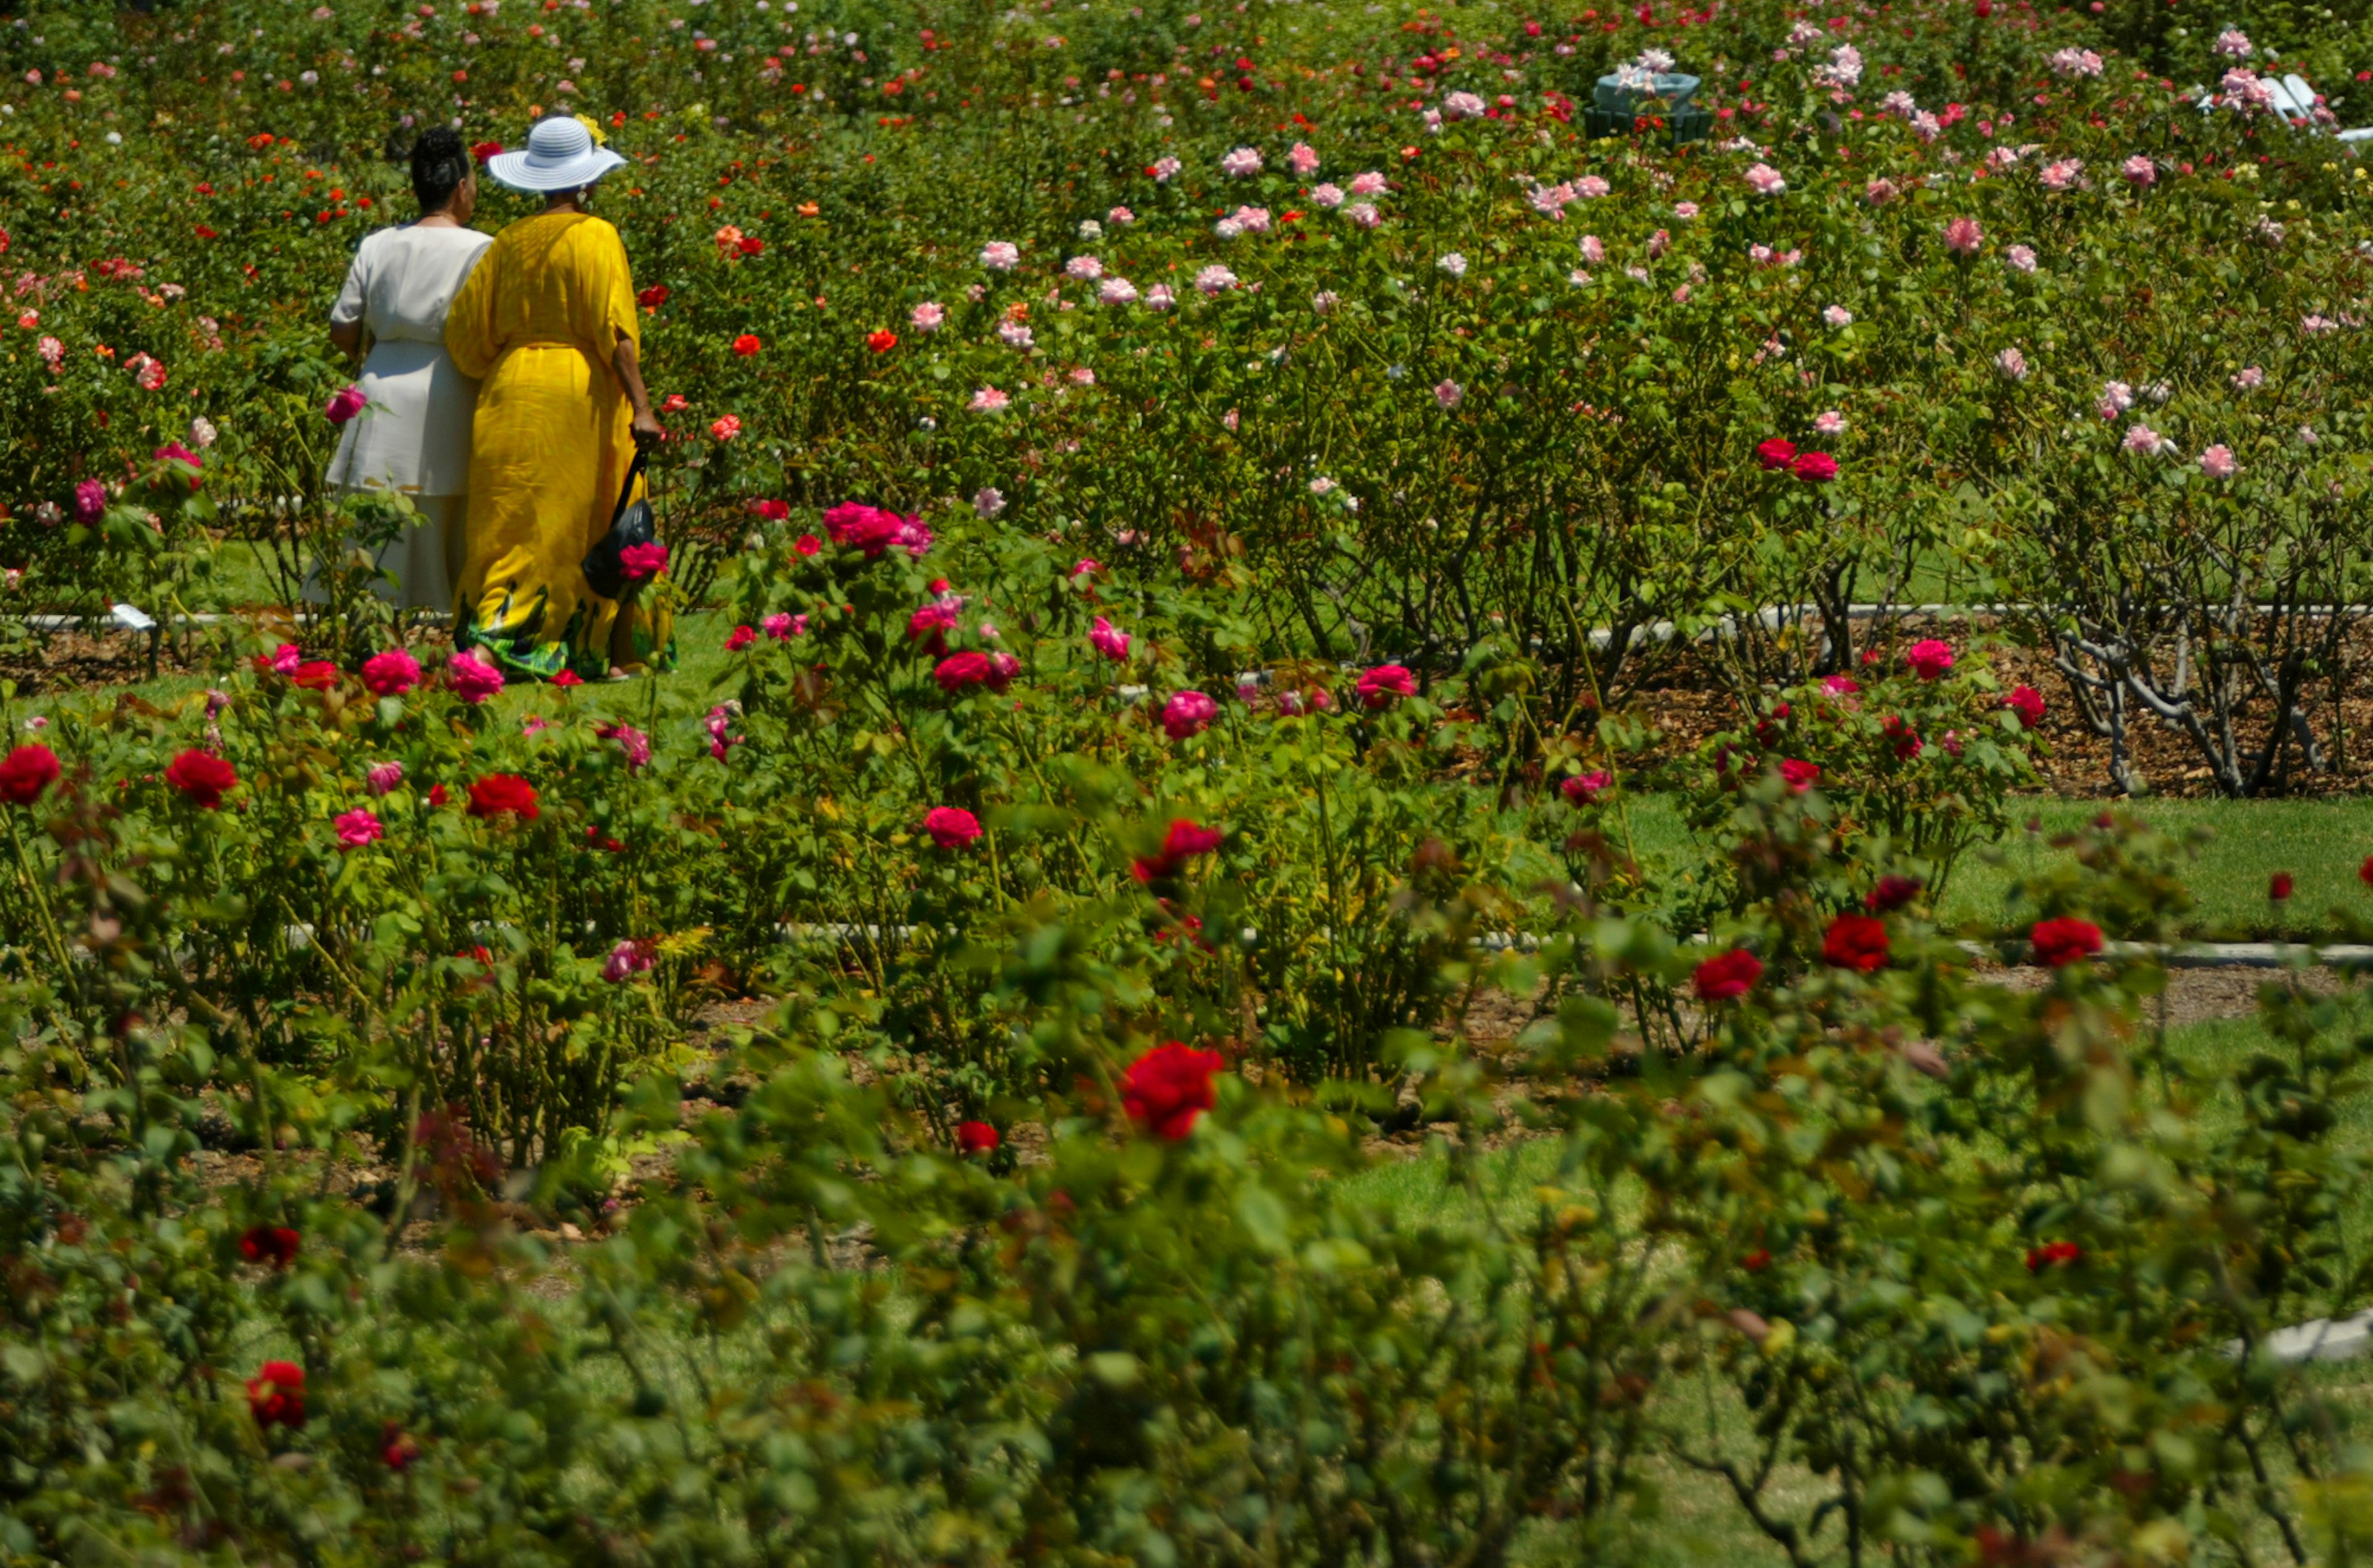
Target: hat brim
column 518, row 171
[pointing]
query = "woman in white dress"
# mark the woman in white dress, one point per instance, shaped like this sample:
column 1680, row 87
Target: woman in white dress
column 414, row 435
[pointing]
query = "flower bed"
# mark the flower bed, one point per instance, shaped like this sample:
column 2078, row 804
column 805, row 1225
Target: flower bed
column 1037, row 373
column 1347, row 329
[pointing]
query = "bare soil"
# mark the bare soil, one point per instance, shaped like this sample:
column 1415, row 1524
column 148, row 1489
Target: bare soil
column 1692, row 702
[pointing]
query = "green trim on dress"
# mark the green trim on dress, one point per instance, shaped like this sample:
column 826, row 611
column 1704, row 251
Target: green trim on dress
column 511, row 638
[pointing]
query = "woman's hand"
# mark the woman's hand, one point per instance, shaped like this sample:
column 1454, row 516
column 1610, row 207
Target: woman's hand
column 648, row 431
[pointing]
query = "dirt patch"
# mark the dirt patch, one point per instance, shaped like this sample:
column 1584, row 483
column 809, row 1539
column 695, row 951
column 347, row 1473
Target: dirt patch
column 1690, row 700
column 2195, row 996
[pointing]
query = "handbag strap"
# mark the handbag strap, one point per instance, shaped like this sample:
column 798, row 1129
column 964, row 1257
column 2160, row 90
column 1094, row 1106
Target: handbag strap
column 626, row 491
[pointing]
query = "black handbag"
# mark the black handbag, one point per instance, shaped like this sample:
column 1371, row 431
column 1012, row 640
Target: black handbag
column 605, row 574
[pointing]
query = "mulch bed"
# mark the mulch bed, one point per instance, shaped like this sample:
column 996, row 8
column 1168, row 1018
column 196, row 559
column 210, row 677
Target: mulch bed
column 1692, row 702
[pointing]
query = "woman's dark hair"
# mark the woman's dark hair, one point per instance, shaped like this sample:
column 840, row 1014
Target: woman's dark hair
column 439, row 164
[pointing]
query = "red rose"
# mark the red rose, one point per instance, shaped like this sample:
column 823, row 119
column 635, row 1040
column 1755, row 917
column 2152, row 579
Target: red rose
column 396, row 1446
column 1168, row 1087
column 652, row 297
column 275, row 1245
column 742, row 637
column 315, row 675
column 436, row 794
column 485, row 150
column 1776, row 453
column 26, row 773
column 1855, row 942
column 882, row 341
column 747, row 345
column 276, row 1395
column 807, row 544
column 202, row 778
column 1726, row 977
column 1892, row 894
column 2278, row 887
column 2364, row 872
column 1907, row 742
column 1755, row 1262
column 2051, row 1253
column 958, row 673
column 2028, row 703
column 498, row 793
column 751, row 245
column 1800, row 776
column 1184, row 841
column 2061, row 942
column 1815, row 467
column 976, row 1137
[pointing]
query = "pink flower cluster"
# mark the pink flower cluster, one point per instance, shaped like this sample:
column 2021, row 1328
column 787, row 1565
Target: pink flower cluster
column 875, row 529
column 959, row 673
column 1813, row 468
column 1379, row 686
column 718, row 723
column 1109, row 640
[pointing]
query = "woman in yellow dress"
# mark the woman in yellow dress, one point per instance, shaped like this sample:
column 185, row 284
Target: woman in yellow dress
column 546, row 323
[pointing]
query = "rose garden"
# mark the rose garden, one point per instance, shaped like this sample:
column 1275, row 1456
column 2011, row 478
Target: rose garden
column 1440, row 786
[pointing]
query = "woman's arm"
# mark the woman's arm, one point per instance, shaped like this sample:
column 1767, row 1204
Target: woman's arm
column 347, row 315
column 629, row 363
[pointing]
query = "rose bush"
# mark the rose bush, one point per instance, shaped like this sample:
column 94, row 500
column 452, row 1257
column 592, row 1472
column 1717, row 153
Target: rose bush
column 1884, row 1215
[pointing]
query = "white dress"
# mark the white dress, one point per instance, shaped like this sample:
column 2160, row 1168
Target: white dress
column 414, row 437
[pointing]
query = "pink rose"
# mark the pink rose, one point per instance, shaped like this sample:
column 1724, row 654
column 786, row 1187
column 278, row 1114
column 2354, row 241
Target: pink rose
column 356, row 829
column 640, row 562
column 1930, row 659
column 950, row 827
column 1379, row 686
column 473, row 678
column 346, row 405
column 392, row 674
column 1583, row 789
column 1187, row 714
column 627, row 959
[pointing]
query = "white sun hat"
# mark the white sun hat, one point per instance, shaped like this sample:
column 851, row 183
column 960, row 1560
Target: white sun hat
column 560, row 156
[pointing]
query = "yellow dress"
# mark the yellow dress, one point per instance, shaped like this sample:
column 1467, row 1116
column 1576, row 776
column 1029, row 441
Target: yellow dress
column 537, row 324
